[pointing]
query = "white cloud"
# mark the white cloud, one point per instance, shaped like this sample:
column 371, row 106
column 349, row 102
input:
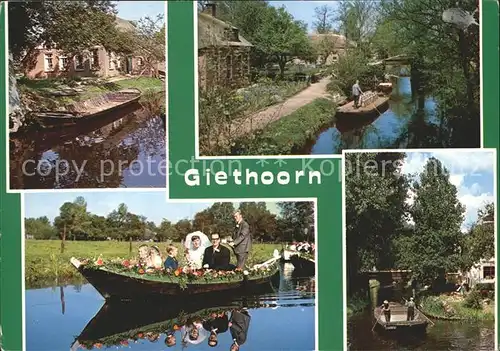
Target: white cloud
column 460, row 164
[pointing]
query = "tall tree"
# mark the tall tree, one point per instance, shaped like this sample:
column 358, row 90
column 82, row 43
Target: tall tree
column 433, row 248
column 183, row 228
column 167, row 231
column 40, row 228
column 283, row 38
column 357, row 19
column 262, row 222
column 74, row 26
column 479, row 242
column 73, row 218
column 298, row 220
column 375, row 210
column 323, row 19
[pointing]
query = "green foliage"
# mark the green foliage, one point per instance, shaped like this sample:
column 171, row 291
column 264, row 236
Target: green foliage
column 263, row 224
column 473, row 300
column 354, row 66
column 34, row 23
column 433, row 247
column 39, row 228
column 288, row 135
column 297, row 221
column 479, row 243
column 220, row 106
column 375, row 198
column 282, row 38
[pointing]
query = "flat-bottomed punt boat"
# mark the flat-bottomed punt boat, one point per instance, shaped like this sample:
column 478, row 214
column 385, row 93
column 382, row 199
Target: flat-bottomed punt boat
column 126, row 284
column 89, row 109
column 398, row 320
column 370, row 103
column 303, row 264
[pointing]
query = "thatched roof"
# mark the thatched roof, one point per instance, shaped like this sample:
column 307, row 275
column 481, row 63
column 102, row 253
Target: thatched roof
column 214, row 32
column 340, row 40
column 124, row 24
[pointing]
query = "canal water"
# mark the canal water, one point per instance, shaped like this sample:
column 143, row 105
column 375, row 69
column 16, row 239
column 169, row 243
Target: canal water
column 407, row 122
column 124, row 149
column 443, row 335
column 75, row 316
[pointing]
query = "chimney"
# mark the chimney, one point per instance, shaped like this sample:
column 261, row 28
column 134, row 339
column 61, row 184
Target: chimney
column 211, row 9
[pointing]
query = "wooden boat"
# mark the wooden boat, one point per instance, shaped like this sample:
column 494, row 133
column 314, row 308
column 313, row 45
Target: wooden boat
column 303, row 264
column 398, row 320
column 385, row 87
column 371, row 103
column 117, row 324
column 89, row 109
column 126, row 284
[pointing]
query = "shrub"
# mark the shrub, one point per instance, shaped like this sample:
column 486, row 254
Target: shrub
column 288, row 135
column 473, row 300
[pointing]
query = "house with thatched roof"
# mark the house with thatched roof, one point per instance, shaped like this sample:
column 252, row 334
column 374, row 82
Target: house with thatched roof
column 329, row 46
column 223, row 53
column 94, row 62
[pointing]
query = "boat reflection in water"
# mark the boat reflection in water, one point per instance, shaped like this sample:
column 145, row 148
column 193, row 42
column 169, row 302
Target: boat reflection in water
column 124, row 148
column 221, row 321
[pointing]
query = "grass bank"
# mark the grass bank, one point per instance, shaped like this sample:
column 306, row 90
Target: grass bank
column 46, row 266
column 459, row 308
column 356, row 304
column 56, row 93
column 289, row 134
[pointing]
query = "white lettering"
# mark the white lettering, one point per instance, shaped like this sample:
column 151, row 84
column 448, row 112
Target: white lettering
column 25, row 172
column 298, row 174
column 267, row 178
column 332, row 167
column 195, row 180
column 221, row 178
column 252, row 175
column 283, row 178
column 237, row 175
column 314, row 174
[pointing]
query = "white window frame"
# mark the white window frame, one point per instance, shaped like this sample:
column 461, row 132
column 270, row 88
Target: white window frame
column 46, row 67
column 62, row 66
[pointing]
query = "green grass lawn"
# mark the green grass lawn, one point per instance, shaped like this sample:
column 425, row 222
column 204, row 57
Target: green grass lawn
column 289, row 134
column 46, row 266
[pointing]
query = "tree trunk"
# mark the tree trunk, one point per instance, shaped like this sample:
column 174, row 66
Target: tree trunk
column 16, row 114
column 130, row 246
column 63, row 239
column 464, row 60
column 282, row 63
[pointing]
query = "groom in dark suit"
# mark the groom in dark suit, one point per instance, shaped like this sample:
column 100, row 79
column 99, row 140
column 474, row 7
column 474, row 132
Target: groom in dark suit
column 217, row 256
column 242, row 243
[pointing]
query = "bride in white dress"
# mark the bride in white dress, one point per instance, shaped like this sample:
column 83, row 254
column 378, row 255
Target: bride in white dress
column 195, row 244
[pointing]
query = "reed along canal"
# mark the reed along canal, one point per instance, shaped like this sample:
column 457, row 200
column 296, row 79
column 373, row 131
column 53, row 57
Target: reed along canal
column 125, row 148
column 76, row 317
column 443, row 335
column 408, row 121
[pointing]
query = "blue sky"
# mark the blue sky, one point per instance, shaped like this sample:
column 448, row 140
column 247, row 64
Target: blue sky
column 150, row 204
column 472, row 172
column 135, row 10
column 303, row 9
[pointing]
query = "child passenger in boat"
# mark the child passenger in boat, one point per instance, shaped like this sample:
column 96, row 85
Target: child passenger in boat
column 171, row 261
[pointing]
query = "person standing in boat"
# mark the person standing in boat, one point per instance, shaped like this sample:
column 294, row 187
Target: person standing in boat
column 239, row 324
column 217, row 256
column 242, row 243
column 386, row 309
column 410, row 312
column 356, row 92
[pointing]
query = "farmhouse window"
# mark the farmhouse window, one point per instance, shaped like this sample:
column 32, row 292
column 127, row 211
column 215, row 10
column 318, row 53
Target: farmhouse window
column 63, row 63
column 488, row 272
column 79, row 62
column 94, row 62
column 48, row 64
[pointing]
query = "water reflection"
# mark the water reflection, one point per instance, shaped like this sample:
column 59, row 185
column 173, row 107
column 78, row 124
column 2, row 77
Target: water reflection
column 126, row 149
column 443, row 335
column 257, row 321
column 410, row 121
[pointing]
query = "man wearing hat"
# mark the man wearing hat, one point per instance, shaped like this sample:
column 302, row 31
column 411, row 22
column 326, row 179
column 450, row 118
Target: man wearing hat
column 387, row 311
column 410, row 312
column 217, row 256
